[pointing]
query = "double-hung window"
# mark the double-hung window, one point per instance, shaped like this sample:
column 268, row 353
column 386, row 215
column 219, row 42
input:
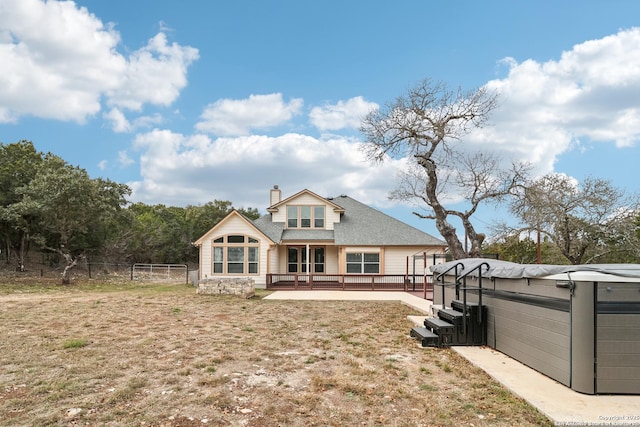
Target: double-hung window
column 318, row 216
column 235, row 254
column 292, row 216
column 305, row 216
column 363, row 263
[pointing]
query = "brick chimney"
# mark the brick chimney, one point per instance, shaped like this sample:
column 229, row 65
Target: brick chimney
column 275, row 195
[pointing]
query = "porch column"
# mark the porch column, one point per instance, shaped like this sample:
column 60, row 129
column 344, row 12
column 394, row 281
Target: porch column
column 308, row 261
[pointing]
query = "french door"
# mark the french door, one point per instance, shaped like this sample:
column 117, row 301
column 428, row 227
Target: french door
column 297, row 259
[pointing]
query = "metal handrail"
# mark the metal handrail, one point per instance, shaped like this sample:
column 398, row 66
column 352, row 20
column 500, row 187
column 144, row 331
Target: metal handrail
column 464, row 293
column 441, row 275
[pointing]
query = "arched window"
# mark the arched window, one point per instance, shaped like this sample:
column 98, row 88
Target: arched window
column 235, row 254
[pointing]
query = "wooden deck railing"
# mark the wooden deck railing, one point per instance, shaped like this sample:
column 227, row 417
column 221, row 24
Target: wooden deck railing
column 367, row 282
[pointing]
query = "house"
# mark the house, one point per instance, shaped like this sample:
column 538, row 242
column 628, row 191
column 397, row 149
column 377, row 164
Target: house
column 307, row 239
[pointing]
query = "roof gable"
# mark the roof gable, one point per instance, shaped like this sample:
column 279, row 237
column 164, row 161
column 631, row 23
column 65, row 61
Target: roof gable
column 300, row 195
column 234, row 214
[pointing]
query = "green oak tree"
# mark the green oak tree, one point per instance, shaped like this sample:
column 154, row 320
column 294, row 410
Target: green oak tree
column 72, row 209
column 19, row 163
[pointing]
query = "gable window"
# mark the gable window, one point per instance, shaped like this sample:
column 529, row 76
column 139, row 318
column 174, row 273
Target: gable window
column 318, row 216
column 305, row 216
column 292, row 216
column 235, row 254
column 363, row 263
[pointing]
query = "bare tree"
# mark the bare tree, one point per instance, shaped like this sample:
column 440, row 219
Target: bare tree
column 426, row 125
column 586, row 221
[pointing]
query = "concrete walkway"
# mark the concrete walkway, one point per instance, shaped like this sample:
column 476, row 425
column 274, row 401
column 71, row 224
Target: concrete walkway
column 422, row 305
column 565, row 407
column 561, row 404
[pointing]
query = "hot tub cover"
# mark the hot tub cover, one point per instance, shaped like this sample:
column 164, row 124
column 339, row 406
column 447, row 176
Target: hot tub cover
column 512, row 270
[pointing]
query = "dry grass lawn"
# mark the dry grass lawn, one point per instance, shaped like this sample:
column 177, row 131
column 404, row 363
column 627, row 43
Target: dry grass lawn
column 160, row 355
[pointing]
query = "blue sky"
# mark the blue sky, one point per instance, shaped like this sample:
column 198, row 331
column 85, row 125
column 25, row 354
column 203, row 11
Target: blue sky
column 198, row 100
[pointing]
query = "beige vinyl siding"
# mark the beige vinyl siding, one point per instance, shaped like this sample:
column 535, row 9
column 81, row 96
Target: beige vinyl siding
column 331, row 259
column 331, row 216
column 205, row 259
column 280, row 215
column 395, row 260
column 303, row 199
column 234, row 225
column 273, row 257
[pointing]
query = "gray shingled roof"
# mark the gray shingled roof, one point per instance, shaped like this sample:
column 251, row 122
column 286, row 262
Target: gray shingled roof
column 307, row 234
column 359, row 225
column 364, row 225
column 272, row 230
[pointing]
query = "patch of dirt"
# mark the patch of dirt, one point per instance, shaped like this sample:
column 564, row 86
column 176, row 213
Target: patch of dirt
column 164, row 356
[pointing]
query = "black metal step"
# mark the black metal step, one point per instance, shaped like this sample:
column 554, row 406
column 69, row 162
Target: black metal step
column 457, row 304
column 436, row 324
column 427, row 337
column 452, row 316
column 474, row 330
column 442, row 328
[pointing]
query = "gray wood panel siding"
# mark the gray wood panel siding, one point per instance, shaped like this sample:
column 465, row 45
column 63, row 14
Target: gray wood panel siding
column 618, row 338
column 618, row 292
column 536, row 336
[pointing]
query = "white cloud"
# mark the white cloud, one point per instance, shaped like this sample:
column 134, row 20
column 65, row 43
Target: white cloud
column 236, row 117
column 59, row 60
column 120, row 124
column 123, row 158
column 154, row 74
column 179, row 169
column 344, row 114
column 590, row 94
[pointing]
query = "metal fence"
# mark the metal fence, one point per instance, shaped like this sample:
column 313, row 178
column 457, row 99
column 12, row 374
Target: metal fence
column 160, row 272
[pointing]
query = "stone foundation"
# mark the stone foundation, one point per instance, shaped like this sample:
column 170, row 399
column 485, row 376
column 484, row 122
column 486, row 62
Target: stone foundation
column 241, row 287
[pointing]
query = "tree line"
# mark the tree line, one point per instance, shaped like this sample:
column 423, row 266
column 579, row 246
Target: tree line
column 48, row 205
column 53, row 206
